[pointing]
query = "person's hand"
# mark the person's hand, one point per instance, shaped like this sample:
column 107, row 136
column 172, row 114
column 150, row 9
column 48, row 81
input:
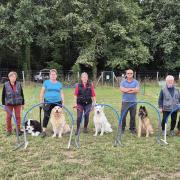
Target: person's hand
column 94, row 103
column 161, row 110
column 75, row 106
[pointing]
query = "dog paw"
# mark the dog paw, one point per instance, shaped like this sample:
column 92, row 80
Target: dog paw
column 101, row 134
column 95, row 135
column 60, row 136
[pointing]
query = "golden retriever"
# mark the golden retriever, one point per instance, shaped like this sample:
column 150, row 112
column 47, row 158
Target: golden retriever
column 57, row 119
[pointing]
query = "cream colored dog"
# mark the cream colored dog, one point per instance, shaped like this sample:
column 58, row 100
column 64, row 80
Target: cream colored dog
column 58, row 122
column 100, row 121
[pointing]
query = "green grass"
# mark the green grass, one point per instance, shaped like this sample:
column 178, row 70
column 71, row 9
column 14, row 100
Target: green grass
column 138, row 158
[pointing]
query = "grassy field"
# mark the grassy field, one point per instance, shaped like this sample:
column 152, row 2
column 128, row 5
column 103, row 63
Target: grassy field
column 138, row 158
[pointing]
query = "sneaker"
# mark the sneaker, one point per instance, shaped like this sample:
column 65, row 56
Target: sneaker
column 133, row 131
column 172, row 133
column 77, row 131
column 8, row 133
column 43, row 134
column 20, row 133
column 85, row 130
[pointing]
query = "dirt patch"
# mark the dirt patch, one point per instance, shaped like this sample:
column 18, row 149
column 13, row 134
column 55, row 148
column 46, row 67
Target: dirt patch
column 83, row 162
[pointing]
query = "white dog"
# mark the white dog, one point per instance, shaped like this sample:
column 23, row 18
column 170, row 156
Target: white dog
column 58, row 122
column 100, row 121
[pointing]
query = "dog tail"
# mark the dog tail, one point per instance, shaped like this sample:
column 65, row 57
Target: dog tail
column 108, row 128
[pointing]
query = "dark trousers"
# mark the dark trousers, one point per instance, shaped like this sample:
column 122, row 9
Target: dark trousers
column 173, row 119
column 47, row 111
column 132, row 111
column 178, row 126
column 86, row 109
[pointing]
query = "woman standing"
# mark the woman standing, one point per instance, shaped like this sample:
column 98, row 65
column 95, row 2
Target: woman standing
column 84, row 96
column 13, row 99
column 51, row 93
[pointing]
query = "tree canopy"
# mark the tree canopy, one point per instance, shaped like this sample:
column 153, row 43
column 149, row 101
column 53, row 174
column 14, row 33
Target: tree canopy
column 98, row 34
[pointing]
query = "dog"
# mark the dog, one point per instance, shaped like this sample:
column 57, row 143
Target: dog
column 144, row 126
column 33, row 127
column 100, row 121
column 59, row 125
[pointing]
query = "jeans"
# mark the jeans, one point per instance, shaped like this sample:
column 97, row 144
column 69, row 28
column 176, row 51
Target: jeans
column 173, row 119
column 132, row 110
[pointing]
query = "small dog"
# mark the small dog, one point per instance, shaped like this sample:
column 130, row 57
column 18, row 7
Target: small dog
column 100, row 121
column 58, row 122
column 144, row 126
column 33, row 127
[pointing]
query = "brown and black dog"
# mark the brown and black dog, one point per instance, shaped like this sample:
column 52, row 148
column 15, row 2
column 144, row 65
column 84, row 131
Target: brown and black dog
column 144, row 127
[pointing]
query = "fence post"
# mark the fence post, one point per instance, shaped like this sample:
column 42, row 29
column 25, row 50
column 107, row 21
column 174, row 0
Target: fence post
column 113, row 78
column 102, row 77
column 23, row 78
column 157, row 76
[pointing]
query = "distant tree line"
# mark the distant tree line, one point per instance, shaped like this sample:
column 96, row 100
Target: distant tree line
column 92, row 34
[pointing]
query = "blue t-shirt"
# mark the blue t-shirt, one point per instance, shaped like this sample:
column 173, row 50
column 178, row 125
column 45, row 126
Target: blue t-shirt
column 129, row 97
column 52, row 91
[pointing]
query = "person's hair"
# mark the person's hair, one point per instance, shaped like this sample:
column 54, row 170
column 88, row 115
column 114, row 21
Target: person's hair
column 53, row 70
column 129, row 70
column 169, row 77
column 12, row 73
column 84, row 73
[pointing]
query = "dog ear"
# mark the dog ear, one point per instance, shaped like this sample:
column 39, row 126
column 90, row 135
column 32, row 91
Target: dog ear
column 140, row 107
column 32, row 123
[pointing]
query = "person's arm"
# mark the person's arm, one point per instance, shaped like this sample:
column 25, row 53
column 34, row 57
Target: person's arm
column 133, row 90
column 122, row 88
column 62, row 97
column 129, row 90
column 41, row 96
column 160, row 101
column 3, row 95
column 125, row 90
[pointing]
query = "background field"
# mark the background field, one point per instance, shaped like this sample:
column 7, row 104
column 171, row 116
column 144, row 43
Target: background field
column 97, row 158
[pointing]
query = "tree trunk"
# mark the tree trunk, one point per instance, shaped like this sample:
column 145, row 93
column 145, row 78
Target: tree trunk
column 26, row 59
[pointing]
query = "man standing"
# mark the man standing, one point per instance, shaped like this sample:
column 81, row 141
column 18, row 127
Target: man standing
column 129, row 88
column 169, row 98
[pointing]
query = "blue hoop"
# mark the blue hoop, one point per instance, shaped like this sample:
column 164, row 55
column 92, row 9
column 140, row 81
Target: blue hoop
column 166, row 121
column 131, row 105
column 89, row 110
column 15, row 122
column 37, row 105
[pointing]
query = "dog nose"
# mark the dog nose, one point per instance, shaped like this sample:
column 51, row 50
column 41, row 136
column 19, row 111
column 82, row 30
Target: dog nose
column 98, row 112
column 56, row 111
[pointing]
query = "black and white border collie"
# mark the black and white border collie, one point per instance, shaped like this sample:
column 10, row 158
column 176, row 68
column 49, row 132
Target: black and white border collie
column 33, row 127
